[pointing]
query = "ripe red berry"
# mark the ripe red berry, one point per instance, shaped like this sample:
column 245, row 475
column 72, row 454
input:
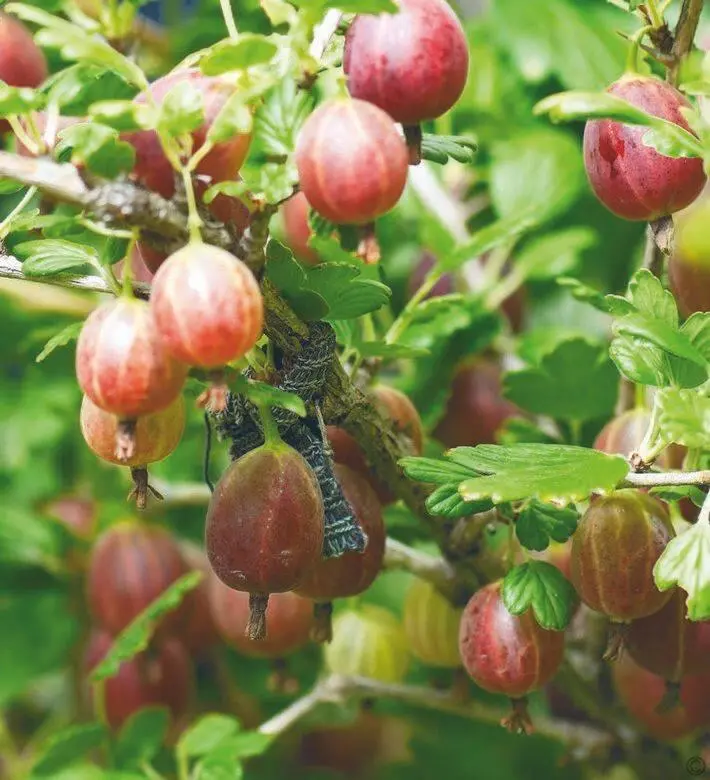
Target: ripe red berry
column 206, row 306
column 614, row 549
column 668, row 644
column 161, row 676
column 22, row 63
column 156, row 435
column 289, row 618
column 296, row 229
column 476, row 409
column 352, row 572
column 623, row 436
column 642, row 692
column 223, row 162
column 267, row 538
column 122, row 363
column 412, row 64
column 131, row 565
column 631, row 179
column 503, row 653
column 352, row 161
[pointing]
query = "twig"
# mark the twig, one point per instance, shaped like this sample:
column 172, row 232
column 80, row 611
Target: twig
column 659, row 479
column 323, row 32
column 685, row 32
column 436, row 570
column 338, row 689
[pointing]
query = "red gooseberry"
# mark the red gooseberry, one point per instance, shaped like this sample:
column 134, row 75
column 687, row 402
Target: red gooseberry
column 642, row 692
column 297, row 231
column 122, row 364
column 160, row 676
column 507, row 654
column 131, row 565
column 197, row 630
column 631, row 179
column 431, row 624
column 614, row 549
column 206, row 306
column 352, row 161
column 689, row 265
column 476, row 409
column 224, row 160
column 413, row 64
column 288, row 615
column 266, row 539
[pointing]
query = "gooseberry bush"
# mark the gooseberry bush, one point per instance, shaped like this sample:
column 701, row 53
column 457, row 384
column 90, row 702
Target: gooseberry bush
column 355, row 394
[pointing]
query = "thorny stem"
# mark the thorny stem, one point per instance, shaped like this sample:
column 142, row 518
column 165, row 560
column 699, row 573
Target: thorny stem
column 654, row 14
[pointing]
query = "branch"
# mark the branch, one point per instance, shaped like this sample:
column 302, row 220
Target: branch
column 323, row 32
column 438, row 571
column 686, row 28
column 337, row 689
column 661, row 478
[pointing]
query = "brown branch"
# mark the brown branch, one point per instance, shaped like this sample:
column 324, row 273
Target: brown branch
column 685, row 30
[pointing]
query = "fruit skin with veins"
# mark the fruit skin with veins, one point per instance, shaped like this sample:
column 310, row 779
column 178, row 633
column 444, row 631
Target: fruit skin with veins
column 668, row 644
column 362, row 176
column 152, row 168
column 206, row 306
column 352, row 572
column 267, row 539
column 633, row 180
column 431, row 624
column 368, row 642
column 160, row 676
column 122, row 364
column 131, row 565
column 614, row 549
column 413, row 64
column 156, row 435
column 641, row 693
column 476, row 408
column 289, row 618
column 503, row 653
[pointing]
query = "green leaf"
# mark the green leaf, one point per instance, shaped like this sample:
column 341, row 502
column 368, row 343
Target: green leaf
column 48, row 256
column 684, row 417
column 553, row 254
column 68, row 746
column 538, row 524
column 206, row 734
column 435, row 471
column 668, row 137
column 439, row 148
column 281, row 117
column 609, row 304
column 503, row 231
column 686, row 563
column 661, row 335
column 539, row 170
column 576, row 381
column 19, row 100
column 327, row 291
column 541, row 586
column 437, row 318
column 74, row 43
column 235, row 118
column 61, row 339
column 141, row 737
column 680, row 492
column 446, row 501
column 221, row 764
column 247, row 744
column 136, row 636
column 248, row 50
column 182, row 110
column 550, row 472
column 77, row 88
column 379, row 349
column 122, row 115
column 98, row 147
